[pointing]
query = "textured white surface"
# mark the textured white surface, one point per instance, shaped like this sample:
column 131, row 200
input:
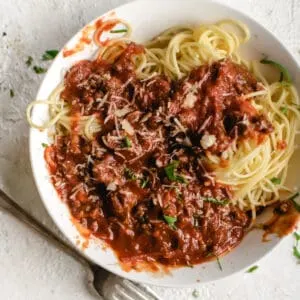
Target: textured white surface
column 32, row 269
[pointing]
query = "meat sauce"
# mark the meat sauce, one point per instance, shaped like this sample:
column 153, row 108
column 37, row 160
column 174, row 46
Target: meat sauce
column 141, row 184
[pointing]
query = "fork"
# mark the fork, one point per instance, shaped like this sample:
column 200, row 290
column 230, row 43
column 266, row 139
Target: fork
column 102, row 282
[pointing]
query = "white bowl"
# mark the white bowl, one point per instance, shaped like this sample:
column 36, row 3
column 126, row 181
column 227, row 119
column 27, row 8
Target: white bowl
column 148, row 18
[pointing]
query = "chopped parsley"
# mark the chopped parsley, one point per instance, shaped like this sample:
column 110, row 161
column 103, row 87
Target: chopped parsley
column 119, row 31
column 284, row 73
column 292, row 198
column 129, row 174
column 252, row 269
column 195, row 293
column 216, row 201
column 144, row 182
column 39, row 70
column 49, row 54
column 126, row 142
column 44, row 145
column 170, row 171
column 275, row 180
column 296, row 251
column 219, row 263
column 284, row 109
column 171, row 221
column 11, row 93
column 29, row 61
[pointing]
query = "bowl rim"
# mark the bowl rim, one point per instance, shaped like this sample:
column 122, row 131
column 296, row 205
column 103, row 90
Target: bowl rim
column 35, row 170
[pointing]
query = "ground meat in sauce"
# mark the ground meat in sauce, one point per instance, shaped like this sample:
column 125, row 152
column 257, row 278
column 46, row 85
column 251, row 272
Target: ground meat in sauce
column 117, row 184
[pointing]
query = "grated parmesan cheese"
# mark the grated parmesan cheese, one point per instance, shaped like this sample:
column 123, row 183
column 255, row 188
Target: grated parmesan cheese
column 207, row 140
column 189, row 100
column 127, row 127
column 111, row 186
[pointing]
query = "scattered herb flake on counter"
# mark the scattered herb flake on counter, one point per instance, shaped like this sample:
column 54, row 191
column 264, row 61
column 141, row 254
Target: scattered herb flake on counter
column 195, row 293
column 39, row 70
column 119, row 31
column 4, row 33
column 276, row 180
column 29, row 61
column 49, row 54
column 11, row 93
column 216, row 201
column 252, row 269
column 171, row 221
column 44, row 145
column 284, row 73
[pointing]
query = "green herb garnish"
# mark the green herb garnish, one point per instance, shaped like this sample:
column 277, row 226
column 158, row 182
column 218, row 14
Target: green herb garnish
column 29, row 60
column 44, row 145
column 252, row 269
column 195, row 293
column 284, row 73
column 171, row 221
column 292, row 198
column 119, row 31
column 129, row 174
column 170, row 171
column 39, row 70
column 219, row 263
column 49, row 54
column 296, row 252
column 11, row 93
column 275, row 180
column 144, row 182
column 216, row 201
column 284, row 109
column 126, row 142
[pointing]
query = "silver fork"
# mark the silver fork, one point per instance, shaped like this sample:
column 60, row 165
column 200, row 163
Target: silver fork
column 104, row 283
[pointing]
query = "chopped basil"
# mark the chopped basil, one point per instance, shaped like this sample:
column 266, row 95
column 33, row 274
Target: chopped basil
column 129, row 174
column 11, row 93
column 29, row 60
column 119, row 31
column 284, row 109
column 292, row 198
column 49, row 54
column 44, row 145
column 216, row 201
column 126, row 142
column 275, row 180
column 195, row 293
column 170, row 171
column 297, row 236
column 252, row 269
column 39, row 70
column 144, row 182
column 219, row 263
column 284, row 73
column 171, row 221
column 296, row 252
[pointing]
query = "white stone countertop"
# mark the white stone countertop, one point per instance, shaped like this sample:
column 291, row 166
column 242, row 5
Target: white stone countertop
column 31, row 268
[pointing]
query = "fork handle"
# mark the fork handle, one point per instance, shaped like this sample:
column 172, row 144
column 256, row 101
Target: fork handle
column 16, row 210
